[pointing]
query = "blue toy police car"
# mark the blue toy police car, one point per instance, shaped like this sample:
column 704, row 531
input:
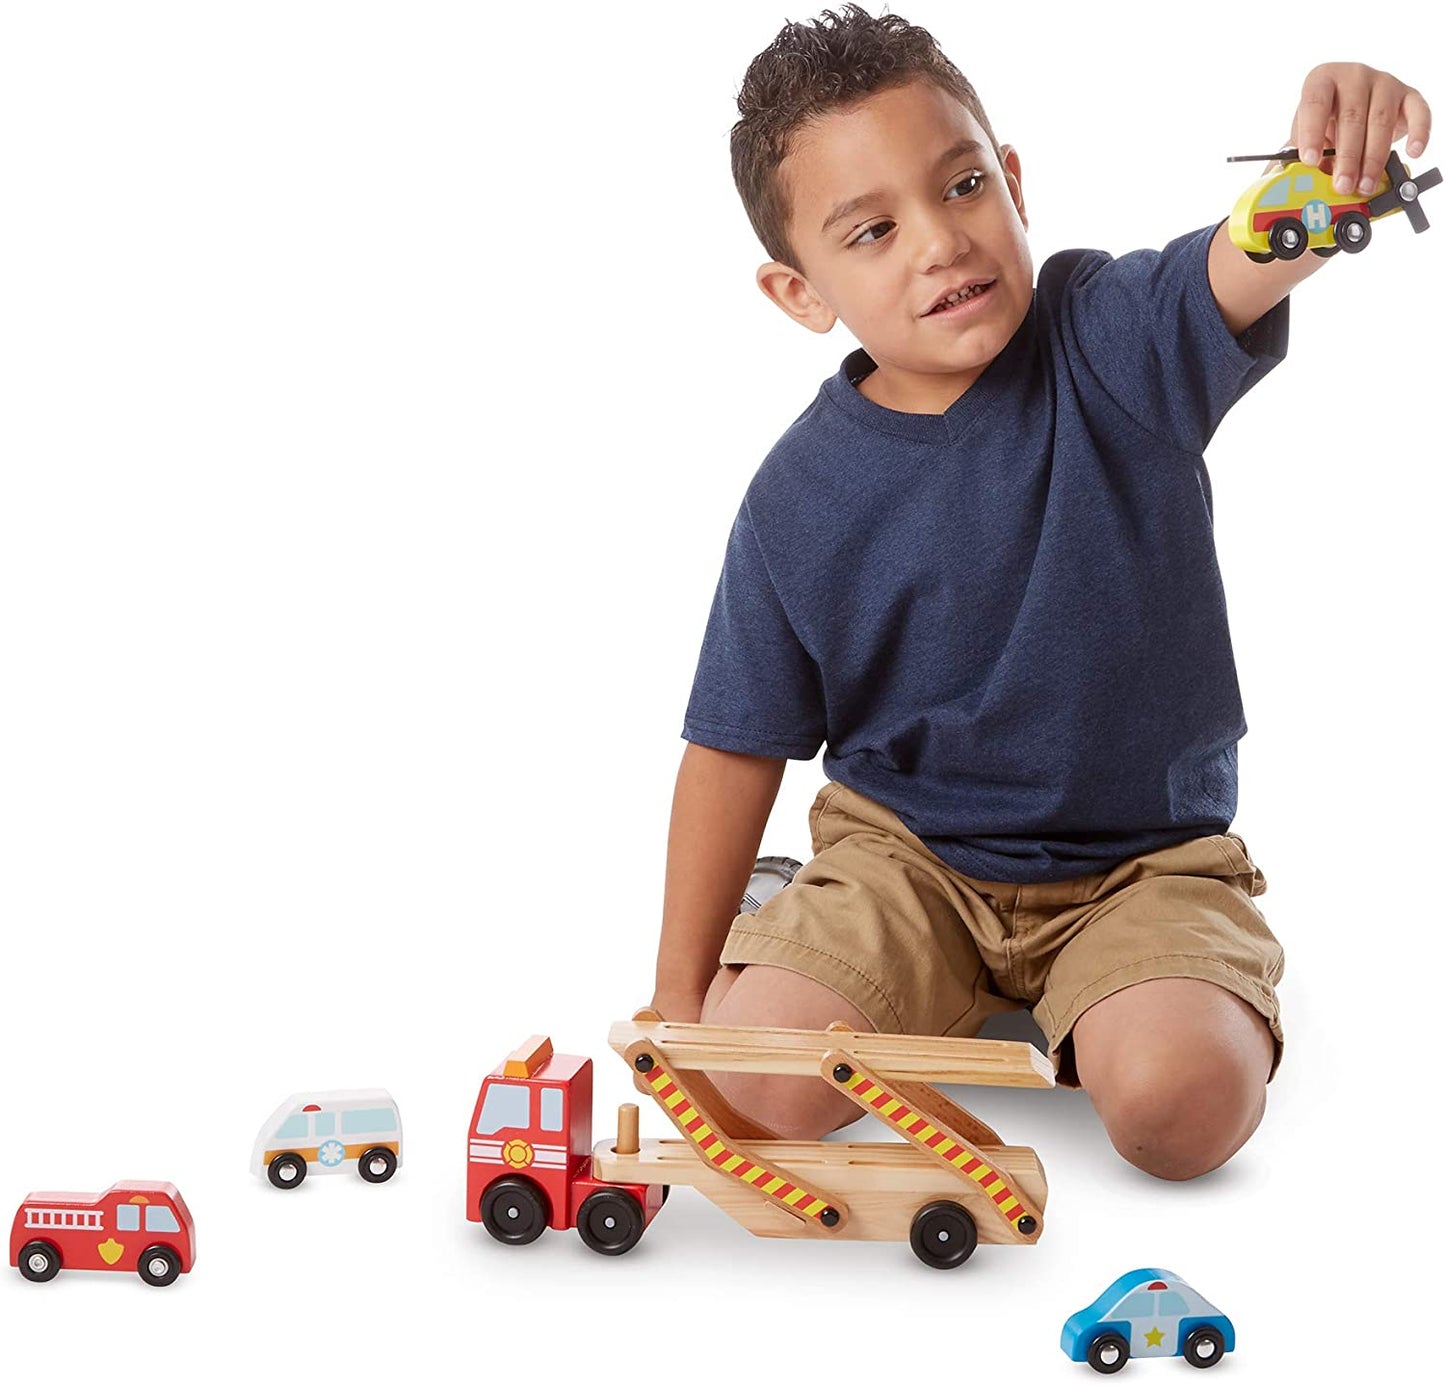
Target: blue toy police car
column 1147, row 1313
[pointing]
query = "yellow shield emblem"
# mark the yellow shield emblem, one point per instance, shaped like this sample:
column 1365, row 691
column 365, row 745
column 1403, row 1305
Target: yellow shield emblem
column 111, row 1250
column 517, row 1153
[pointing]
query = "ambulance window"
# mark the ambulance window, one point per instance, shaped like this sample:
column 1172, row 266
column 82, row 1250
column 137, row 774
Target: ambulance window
column 1171, row 1305
column 1276, row 196
column 127, row 1217
column 1137, row 1306
column 293, row 1127
column 506, row 1108
column 551, row 1108
column 373, row 1122
column 161, row 1219
column 323, row 1123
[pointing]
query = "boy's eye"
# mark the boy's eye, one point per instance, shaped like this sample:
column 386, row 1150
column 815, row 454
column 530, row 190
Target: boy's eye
column 970, row 182
column 864, row 237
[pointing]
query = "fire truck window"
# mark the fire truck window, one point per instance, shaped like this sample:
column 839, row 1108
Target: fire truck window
column 293, row 1127
column 323, row 1123
column 127, row 1217
column 506, row 1108
column 161, row 1219
column 551, row 1108
column 379, row 1121
column 1276, row 196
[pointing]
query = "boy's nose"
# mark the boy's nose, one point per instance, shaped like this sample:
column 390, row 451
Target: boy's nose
column 941, row 242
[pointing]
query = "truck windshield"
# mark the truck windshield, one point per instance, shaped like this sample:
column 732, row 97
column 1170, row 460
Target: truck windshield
column 506, row 1108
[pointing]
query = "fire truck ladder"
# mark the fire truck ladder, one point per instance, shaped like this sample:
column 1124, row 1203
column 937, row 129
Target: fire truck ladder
column 889, row 1076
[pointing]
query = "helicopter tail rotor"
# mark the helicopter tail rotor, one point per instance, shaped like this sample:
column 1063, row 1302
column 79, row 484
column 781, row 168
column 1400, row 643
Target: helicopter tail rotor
column 1404, row 191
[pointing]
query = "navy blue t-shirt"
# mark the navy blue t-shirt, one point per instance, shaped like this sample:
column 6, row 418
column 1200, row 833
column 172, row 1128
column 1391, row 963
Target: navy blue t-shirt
column 1006, row 621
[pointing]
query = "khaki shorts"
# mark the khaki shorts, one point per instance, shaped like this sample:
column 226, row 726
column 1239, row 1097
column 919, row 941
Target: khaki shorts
column 921, row 949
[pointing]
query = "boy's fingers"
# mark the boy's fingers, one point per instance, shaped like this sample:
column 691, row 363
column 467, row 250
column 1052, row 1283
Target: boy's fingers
column 1316, row 101
column 1417, row 120
column 1379, row 134
column 1352, row 113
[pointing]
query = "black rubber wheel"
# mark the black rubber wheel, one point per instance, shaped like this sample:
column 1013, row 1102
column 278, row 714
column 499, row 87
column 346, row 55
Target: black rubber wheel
column 1204, row 1347
column 1260, row 256
column 1108, row 1353
column 610, row 1222
column 1324, row 251
column 286, row 1170
column 376, row 1165
column 159, row 1265
column 1288, row 238
column 514, row 1211
column 1353, row 232
column 943, row 1235
column 39, row 1261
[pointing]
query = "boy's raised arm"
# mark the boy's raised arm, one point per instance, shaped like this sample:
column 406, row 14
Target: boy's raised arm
column 719, row 811
column 1360, row 112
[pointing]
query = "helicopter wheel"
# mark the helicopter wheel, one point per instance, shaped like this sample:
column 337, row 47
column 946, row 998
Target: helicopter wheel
column 1325, row 251
column 1352, row 233
column 1260, row 257
column 1288, row 238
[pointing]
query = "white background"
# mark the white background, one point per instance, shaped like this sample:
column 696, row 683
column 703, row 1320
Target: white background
column 377, row 386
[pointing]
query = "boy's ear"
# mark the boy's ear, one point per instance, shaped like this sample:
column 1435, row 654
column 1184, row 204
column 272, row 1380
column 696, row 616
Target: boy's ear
column 1014, row 179
column 795, row 296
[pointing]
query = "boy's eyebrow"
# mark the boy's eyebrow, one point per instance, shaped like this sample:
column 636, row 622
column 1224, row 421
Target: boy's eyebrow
column 964, row 146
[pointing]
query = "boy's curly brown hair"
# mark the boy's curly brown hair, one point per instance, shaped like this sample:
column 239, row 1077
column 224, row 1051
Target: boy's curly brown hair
column 809, row 70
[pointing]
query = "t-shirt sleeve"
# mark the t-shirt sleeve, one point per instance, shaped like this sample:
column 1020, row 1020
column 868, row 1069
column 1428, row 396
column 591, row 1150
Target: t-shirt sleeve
column 757, row 691
column 1150, row 333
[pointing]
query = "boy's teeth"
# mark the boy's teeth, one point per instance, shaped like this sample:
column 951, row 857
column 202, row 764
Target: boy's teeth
column 953, row 298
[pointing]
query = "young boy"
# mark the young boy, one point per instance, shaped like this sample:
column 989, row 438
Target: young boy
column 980, row 568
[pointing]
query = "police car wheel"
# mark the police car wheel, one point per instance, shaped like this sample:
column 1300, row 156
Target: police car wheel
column 1288, row 238
column 1108, row 1353
column 610, row 1222
column 1352, row 232
column 943, row 1235
column 1204, row 1347
column 286, row 1170
column 514, row 1212
column 39, row 1261
column 159, row 1265
column 376, row 1165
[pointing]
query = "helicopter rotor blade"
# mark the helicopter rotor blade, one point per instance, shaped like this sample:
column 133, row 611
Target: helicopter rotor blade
column 1287, row 156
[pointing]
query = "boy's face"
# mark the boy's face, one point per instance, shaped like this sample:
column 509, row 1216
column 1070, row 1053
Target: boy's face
column 896, row 201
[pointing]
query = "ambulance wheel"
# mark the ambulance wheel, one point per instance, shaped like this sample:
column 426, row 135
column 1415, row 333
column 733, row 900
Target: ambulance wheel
column 514, row 1211
column 610, row 1222
column 1108, row 1353
column 39, row 1261
column 943, row 1235
column 1204, row 1347
column 1260, row 256
column 376, row 1165
column 286, row 1170
column 1352, row 232
column 1288, row 238
column 159, row 1265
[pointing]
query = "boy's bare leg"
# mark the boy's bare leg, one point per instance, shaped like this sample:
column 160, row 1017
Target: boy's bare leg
column 1176, row 1068
column 798, row 1108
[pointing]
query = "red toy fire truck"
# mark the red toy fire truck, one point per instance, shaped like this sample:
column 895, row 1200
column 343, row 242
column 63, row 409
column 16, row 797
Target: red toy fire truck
column 135, row 1225
column 947, row 1185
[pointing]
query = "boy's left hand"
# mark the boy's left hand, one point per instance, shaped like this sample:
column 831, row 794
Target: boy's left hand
column 1361, row 112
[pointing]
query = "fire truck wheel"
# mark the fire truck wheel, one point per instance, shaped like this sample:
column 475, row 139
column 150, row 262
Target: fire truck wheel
column 943, row 1235
column 513, row 1211
column 286, row 1170
column 1204, row 1347
column 1108, row 1353
column 376, row 1165
column 159, row 1265
column 610, row 1222
column 39, row 1261
column 1288, row 238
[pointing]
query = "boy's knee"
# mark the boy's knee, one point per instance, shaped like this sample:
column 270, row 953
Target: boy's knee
column 1179, row 1115
column 796, row 1108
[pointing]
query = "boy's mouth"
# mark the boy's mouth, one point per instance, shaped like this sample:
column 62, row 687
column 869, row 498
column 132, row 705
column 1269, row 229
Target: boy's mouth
column 956, row 298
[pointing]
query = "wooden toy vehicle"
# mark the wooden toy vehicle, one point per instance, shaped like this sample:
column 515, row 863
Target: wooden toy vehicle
column 1147, row 1313
column 328, row 1131
column 1296, row 208
column 948, row 1185
column 140, row 1226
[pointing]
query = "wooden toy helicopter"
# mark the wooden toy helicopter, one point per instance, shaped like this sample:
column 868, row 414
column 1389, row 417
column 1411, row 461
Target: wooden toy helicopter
column 950, row 1184
column 1296, row 208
